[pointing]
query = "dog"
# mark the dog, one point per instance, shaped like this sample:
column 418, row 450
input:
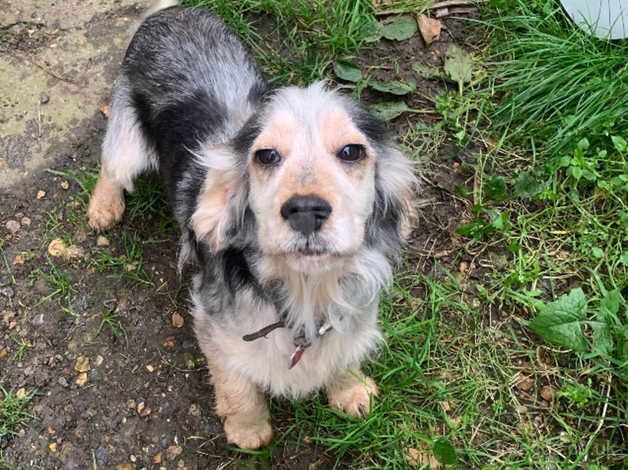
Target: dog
column 293, row 205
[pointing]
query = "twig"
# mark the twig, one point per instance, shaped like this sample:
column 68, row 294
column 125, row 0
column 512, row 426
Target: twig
column 48, row 70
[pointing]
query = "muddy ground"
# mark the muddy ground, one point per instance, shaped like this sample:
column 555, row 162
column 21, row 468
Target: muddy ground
column 143, row 399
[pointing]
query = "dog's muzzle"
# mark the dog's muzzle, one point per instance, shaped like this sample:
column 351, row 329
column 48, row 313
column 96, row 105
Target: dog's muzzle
column 306, row 214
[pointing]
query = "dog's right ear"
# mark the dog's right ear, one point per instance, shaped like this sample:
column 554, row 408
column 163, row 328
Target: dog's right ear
column 221, row 202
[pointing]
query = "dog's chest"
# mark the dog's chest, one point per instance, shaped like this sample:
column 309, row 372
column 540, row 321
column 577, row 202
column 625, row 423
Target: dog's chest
column 267, row 359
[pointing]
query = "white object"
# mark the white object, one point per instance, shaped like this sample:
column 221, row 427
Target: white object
column 605, row 19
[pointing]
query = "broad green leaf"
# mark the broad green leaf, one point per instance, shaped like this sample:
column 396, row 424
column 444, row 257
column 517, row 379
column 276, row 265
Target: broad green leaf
column 400, row 28
column 394, row 87
column 458, row 65
column 347, row 71
column 445, row 452
column 389, row 110
column 527, row 186
column 620, row 143
column 583, row 144
column 609, row 305
column 560, row 322
column 602, row 338
column 427, row 71
column 375, row 32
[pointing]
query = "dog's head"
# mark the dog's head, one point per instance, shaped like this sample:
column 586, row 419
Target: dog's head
column 321, row 177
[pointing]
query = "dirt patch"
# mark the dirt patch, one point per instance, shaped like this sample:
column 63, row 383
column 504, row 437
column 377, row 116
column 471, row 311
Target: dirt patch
column 143, row 396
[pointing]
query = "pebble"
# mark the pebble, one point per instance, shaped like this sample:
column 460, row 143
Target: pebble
column 5, row 280
column 44, row 98
column 65, row 184
column 173, row 452
column 102, row 241
column 82, row 364
column 21, row 393
column 25, row 221
column 177, row 320
column 41, row 194
column 81, row 379
column 7, row 292
column 12, row 226
column 99, row 360
column 547, row 393
column 63, row 382
column 37, row 320
column 195, row 410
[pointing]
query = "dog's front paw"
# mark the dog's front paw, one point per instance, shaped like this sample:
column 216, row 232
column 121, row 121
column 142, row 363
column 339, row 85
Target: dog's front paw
column 353, row 396
column 248, row 434
column 104, row 210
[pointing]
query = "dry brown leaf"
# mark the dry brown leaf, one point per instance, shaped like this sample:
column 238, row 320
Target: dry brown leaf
column 105, row 109
column 547, row 393
column 177, row 320
column 418, row 458
column 430, row 28
column 82, row 364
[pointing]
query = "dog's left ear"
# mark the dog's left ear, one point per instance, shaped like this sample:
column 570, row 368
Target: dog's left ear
column 221, row 202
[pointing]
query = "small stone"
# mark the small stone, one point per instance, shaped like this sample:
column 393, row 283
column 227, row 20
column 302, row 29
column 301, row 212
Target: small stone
column 430, row 28
column 5, row 280
column 53, row 447
column 18, row 260
column 25, row 221
column 547, row 393
column 41, row 194
column 177, row 320
column 44, row 98
column 132, row 458
column 173, row 452
column 195, row 410
column 57, row 248
column 130, row 403
column 142, row 409
column 7, row 292
column 38, row 320
column 12, row 226
column 81, row 379
column 21, row 393
column 65, row 184
column 463, row 267
column 169, row 342
column 63, row 382
column 526, row 384
column 99, row 360
column 150, row 368
column 4, row 352
column 124, row 466
column 307, row 440
column 82, row 364
column 102, row 241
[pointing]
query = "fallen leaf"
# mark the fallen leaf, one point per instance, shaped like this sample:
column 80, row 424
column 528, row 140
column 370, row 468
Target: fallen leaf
column 418, row 458
column 347, row 71
column 400, row 28
column 19, row 260
column 429, row 27
column 53, row 447
column 157, row 458
column 458, row 65
column 177, row 320
column 169, row 342
column 57, row 248
column 390, row 110
column 445, row 405
column 124, row 466
column 394, row 87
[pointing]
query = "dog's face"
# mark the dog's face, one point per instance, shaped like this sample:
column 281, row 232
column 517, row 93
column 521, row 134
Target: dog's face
column 321, row 178
column 312, row 181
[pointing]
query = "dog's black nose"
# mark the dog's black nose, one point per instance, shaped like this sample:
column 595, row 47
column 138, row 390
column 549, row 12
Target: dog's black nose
column 306, row 214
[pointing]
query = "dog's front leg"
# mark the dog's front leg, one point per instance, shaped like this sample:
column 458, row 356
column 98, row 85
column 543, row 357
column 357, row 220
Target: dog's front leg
column 243, row 409
column 351, row 392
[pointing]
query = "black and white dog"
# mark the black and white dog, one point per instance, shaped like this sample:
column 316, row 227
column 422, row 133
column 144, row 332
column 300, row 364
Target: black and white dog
column 293, row 204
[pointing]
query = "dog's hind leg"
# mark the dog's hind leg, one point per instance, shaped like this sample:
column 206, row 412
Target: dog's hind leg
column 125, row 154
column 351, row 392
column 243, row 409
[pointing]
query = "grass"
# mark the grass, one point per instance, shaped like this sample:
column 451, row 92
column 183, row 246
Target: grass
column 547, row 190
column 13, row 414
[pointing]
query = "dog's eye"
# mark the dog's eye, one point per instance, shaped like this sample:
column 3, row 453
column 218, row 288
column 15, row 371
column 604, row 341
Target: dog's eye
column 352, row 153
column 267, row 157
